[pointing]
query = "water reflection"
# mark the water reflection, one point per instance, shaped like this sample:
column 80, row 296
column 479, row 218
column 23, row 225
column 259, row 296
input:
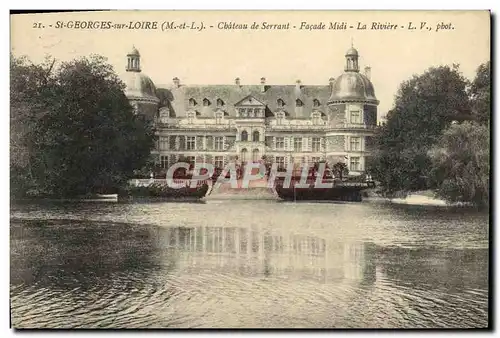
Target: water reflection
column 258, row 252
column 112, row 268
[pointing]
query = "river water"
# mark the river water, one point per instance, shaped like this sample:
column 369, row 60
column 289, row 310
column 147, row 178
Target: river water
column 248, row 264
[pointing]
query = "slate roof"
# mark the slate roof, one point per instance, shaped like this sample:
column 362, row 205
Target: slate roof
column 176, row 98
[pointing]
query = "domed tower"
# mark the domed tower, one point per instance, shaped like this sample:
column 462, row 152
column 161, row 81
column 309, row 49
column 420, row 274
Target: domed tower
column 352, row 86
column 352, row 109
column 140, row 90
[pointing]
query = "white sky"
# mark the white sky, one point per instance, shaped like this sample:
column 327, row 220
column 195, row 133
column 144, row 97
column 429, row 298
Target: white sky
column 217, row 56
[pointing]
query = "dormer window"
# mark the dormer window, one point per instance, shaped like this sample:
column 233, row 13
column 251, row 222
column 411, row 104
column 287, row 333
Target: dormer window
column 220, row 103
column 280, row 103
column 280, row 116
column 298, row 103
column 191, row 116
column 206, row 102
column 192, row 102
column 219, row 115
column 316, row 103
column 316, row 118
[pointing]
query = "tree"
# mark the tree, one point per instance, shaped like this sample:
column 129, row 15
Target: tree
column 79, row 131
column 424, row 106
column 461, row 163
column 28, row 90
column 480, row 93
column 340, row 170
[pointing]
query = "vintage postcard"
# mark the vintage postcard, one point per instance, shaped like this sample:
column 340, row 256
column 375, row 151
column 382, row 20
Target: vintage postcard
column 250, row 169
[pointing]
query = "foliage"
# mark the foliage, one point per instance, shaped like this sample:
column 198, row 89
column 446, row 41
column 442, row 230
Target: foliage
column 480, row 93
column 73, row 128
column 461, row 163
column 424, row 106
column 340, row 170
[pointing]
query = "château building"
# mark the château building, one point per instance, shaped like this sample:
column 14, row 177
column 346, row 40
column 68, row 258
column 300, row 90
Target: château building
column 291, row 123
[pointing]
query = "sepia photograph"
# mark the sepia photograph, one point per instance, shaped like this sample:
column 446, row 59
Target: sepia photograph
column 250, row 169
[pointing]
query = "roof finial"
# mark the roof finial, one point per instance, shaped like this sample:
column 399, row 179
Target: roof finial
column 352, row 42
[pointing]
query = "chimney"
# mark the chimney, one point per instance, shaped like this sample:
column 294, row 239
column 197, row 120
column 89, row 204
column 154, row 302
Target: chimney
column 237, row 81
column 177, row 82
column 368, row 72
column 262, row 84
column 331, row 81
column 298, row 87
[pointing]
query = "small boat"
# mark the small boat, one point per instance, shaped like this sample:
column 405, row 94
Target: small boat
column 340, row 190
column 107, row 197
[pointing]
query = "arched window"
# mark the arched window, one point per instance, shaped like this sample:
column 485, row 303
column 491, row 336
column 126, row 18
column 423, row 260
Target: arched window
column 244, row 135
column 255, row 155
column 244, row 155
column 192, row 102
column 316, row 103
column 280, row 103
column 256, row 136
column 220, row 103
column 298, row 103
column 206, row 102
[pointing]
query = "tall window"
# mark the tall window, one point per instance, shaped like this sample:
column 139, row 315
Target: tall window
column 244, row 155
column 316, row 144
column 164, row 143
column 219, row 143
column 190, row 116
column 355, row 143
column 191, row 143
column 241, row 111
column 164, row 161
column 255, row 155
column 219, row 161
column 355, row 116
column 297, row 144
column 280, row 143
column 355, row 164
column 250, row 112
column 280, row 160
column 244, row 135
column 256, row 136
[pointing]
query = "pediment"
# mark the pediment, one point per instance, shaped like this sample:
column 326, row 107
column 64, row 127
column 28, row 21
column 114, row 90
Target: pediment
column 250, row 101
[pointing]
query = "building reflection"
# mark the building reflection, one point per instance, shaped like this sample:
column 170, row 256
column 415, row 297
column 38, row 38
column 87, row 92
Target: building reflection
column 270, row 252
